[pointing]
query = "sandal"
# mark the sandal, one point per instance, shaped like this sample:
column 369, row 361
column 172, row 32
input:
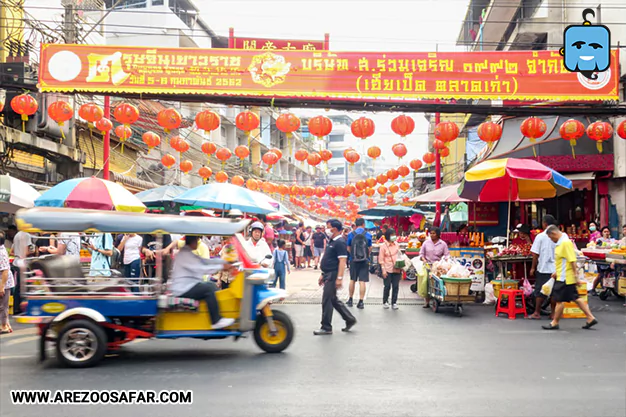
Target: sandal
column 533, row 318
column 550, row 327
column 426, row 306
column 590, row 324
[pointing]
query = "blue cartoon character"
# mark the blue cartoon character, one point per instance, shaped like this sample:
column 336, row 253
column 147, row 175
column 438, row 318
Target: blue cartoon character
column 586, row 48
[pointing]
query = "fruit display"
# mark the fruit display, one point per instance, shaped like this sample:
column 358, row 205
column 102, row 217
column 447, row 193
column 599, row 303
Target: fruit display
column 415, row 242
column 516, row 251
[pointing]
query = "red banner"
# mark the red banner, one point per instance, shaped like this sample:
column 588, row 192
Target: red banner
column 277, row 44
column 371, row 76
column 484, row 214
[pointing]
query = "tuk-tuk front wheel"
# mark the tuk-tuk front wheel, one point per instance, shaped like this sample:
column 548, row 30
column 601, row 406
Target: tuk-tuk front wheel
column 81, row 344
column 281, row 339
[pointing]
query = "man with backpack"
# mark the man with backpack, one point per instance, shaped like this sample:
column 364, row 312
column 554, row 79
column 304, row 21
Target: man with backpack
column 359, row 244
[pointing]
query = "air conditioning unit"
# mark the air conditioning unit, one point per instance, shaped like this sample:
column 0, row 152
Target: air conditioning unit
column 17, row 74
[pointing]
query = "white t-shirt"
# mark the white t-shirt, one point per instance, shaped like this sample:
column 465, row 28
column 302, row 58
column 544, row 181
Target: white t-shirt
column 132, row 249
column 544, row 247
column 71, row 242
column 21, row 242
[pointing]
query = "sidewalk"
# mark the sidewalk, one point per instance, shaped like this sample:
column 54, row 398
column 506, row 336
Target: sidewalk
column 303, row 289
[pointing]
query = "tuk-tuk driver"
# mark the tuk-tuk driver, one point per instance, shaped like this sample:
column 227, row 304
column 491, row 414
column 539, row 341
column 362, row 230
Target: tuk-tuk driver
column 257, row 247
column 187, row 280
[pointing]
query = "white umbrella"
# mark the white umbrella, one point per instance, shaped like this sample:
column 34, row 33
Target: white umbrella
column 16, row 194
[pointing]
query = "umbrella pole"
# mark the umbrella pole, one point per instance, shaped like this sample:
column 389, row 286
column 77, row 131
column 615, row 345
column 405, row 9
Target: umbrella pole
column 508, row 222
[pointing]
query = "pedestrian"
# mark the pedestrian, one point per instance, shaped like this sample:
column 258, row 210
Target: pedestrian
column 566, row 277
column 604, row 270
column 433, row 249
column 359, row 243
column 152, row 246
column 68, row 244
column 300, row 246
column 101, row 247
column 281, row 264
column 308, row 239
column 130, row 247
column 389, row 256
column 333, row 266
column 381, row 231
column 319, row 244
column 22, row 245
column 542, row 266
column 595, row 233
column 6, row 285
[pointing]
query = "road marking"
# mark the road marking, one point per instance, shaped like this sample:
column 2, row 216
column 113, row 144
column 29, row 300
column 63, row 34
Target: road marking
column 595, row 374
column 16, row 357
column 20, row 340
column 20, row 332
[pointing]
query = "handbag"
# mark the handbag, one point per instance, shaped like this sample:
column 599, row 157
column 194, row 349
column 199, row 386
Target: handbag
column 399, row 263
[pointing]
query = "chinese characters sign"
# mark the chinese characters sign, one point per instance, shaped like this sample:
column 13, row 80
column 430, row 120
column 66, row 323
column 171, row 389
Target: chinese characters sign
column 371, row 76
column 484, row 214
column 277, row 44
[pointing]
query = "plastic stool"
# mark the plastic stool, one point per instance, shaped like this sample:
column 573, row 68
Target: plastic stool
column 511, row 308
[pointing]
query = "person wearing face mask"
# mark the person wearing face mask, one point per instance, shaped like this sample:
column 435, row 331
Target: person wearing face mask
column 257, row 247
column 389, row 255
column 333, row 265
column 432, row 251
column 594, row 234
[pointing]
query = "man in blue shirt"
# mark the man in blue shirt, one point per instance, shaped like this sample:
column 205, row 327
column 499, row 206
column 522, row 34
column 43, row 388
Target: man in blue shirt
column 359, row 244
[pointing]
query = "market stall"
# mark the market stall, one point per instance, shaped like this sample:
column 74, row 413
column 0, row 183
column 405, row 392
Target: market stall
column 607, row 260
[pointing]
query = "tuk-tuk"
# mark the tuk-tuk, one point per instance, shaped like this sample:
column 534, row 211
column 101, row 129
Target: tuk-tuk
column 87, row 317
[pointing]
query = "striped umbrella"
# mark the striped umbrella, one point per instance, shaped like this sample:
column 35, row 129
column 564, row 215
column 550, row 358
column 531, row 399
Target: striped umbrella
column 90, row 193
column 15, row 194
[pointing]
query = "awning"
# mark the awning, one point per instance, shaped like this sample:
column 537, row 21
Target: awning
column 134, row 185
column 582, row 180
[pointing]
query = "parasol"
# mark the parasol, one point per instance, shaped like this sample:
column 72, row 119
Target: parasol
column 160, row 195
column 225, row 197
column 15, row 194
column 447, row 194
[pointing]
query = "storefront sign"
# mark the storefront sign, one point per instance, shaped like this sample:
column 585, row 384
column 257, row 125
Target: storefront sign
column 483, row 214
column 371, row 76
column 474, row 260
column 277, row 44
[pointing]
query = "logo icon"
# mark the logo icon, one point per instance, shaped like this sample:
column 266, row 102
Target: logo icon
column 587, row 48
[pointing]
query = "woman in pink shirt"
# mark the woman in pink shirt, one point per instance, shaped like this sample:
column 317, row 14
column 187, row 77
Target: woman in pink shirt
column 389, row 254
column 432, row 251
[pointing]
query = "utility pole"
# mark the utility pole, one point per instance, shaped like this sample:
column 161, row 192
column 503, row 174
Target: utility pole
column 69, row 33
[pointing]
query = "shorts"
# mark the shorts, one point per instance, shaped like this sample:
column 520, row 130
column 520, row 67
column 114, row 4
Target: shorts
column 318, row 251
column 540, row 280
column 564, row 293
column 360, row 271
column 307, row 252
column 299, row 251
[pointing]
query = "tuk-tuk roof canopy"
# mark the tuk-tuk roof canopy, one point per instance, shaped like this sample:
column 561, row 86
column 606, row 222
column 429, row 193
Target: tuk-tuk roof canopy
column 47, row 219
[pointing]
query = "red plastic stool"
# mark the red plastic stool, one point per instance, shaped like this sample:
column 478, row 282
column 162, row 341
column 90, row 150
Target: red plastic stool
column 511, row 308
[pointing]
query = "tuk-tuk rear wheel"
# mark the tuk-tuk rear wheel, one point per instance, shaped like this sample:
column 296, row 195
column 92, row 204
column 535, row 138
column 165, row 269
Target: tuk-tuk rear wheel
column 284, row 332
column 81, row 344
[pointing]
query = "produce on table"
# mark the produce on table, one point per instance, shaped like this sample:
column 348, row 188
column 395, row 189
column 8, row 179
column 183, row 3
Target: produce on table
column 516, row 250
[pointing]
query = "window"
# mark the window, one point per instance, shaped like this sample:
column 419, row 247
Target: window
column 335, row 138
column 158, row 2
column 337, row 171
column 337, row 154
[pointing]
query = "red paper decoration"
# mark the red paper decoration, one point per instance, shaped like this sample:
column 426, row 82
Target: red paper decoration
column 205, row 173
column 621, row 129
column 247, row 121
column 168, row 160
column 124, row 132
column 104, row 125
column 320, row 126
column 278, row 152
column 572, row 130
column 438, row 144
column 314, row 159
column 25, row 106
column 270, row 159
column 429, row 158
column 371, row 182
column 382, row 190
column 320, row 192
column 446, row 131
column 288, row 123
column 444, row 152
column 600, row 132
column 186, row 166
column 60, row 112
column 242, row 152
column 237, row 180
column 208, row 148
column 169, row 119
column 208, row 121
column 252, row 184
column 301, row 155
column 381, row 179
column 399, row 150
column 152, row 140
column 326, row 155
column 403, row 171
column 351, row 156
column 373, row 152
column 404, row 186
column 126, row 114
column 221, row 177
column 403, row 125
column 489, row 132
column 363, row 127
column 90, row 113
column 223, row 154
column 392, row 174
column 415, row 164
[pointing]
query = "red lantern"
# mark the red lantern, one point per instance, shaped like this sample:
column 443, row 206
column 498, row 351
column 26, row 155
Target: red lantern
column 247, row 121
column 621, row 129
column 320, row 126
column 104, row 125
column 363, row 127
column 288, row 123
column 403, row 125
column 415, row 164
column 361, row 185
column 309, row 191
column 489, row 132
column 326, row 155
column 382, row 190
column 381, row 179
column 60, row 112
column 403, row 171
column 278, row 152
column 182, row 146
column 294, row 190
column 349, row 189
column 358, row 193
column 221, row 177
column 270, row 158
column 301, row 155
column 269, row 187
column 393, row 188
column 392, row 174
column 320, row 192
column 369, row 192
column 252, row 184
column 314, row 159
column 429, row 158
column 283, row 190
column 399, row 150
column 208, row 148
column 126, row 114
column 123, row 132
column 168, row 160
column 237, row 180
column 223, row 154
column 152, row 140
column 169, row 119
column 25, row 106
column 205, row 173
column 572, row 130
column 351, row 156
column 186, row 166
column 437, row 144
column 373, row 152
column 446, row 131
column 208, row 121
column 533, row 128
column 90, row 113
column 371, row 182
column 330, row 190
column 600, row 131
column 444, row 152
column 242, row 152
column 404, row 186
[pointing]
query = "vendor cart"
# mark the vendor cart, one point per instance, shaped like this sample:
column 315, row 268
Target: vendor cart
column 449, row 292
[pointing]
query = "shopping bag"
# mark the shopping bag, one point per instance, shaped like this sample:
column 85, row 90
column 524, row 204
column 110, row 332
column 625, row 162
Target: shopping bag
column 527, row 288
column 546, row 289
column 422, row 285
column 407, row 263
column 490, row 297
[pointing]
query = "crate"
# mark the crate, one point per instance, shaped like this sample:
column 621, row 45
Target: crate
column 508, row 284
column 457, row 286
column 621, row 286
column 571, row 310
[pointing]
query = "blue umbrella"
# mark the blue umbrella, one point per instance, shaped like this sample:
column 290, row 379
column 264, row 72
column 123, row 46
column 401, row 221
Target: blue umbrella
column 158, row 196
column 226, row 197
column 389, row 211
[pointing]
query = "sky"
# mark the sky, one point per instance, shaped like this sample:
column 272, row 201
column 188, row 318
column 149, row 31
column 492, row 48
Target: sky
column 353, row 25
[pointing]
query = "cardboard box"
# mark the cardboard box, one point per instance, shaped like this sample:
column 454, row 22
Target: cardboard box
column 571, row 310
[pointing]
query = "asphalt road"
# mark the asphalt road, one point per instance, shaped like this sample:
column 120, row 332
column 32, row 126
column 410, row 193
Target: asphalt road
column 410, row 362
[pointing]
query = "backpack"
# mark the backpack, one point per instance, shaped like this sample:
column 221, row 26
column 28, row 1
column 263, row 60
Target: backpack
column 358, row 248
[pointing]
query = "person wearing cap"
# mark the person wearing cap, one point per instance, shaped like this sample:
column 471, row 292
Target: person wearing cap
column 257, row 247
column 319, row 244
column 523, row 235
